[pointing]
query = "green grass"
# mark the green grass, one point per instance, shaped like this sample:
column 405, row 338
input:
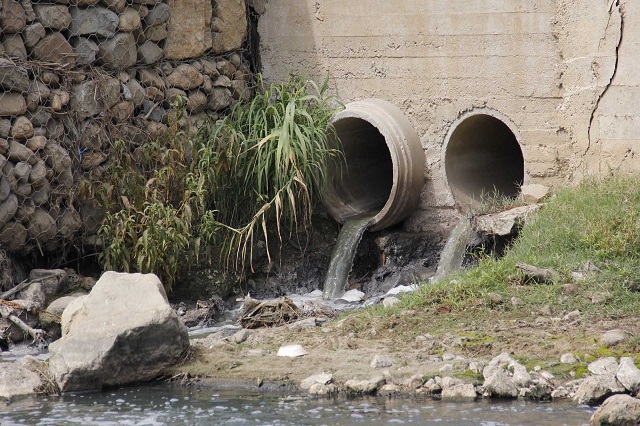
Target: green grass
column 598, row 222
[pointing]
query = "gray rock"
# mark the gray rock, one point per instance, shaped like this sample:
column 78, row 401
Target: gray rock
column 185, row 77
column 225, row 67
column 12, row 104
column 500, row 385
column 119, row 52
column 317, row 379
column 459, row 392
column 156, row 33
column 533, row 193
column 21, row 128
column 13, row 17
column 13, row 46
column 618, row 410
column 52, row 280
column 109, row 91
column 197, row 101
column 8, row 209
column 149, row 53
column 53, row 16
column 38, row 175
column 84, row 101
column 5, row 126
column 189, row 32
column 154, row 112
column 41, row 194
column 70, row 312
column 607, row 365
column 240, row 336
column 54, row 48
column 560, row 393
column 93, row 21
column 68, row 222
column 17, row 380
column 157, row 15
column 19, row 152
column 613, row 337
column 521, row 378
column 86, row 49
column 41, row 227
column 136, row 91
column 13, row 77
column 58, row 306
column 219, row 99
column 150, row 78
column 390, row 301
column 381, row 361
column 32, row 34
column 117, row 6
column 595, row 388
column 39, row 118
column 130, row 339
column 129, row 20
column 5, row 189
column 21, row 171
column 629, row 375
column 231, row 15
column 34, row 295
column 504, row 223
column 364, row 387
column 319, row 389
column 13, row 235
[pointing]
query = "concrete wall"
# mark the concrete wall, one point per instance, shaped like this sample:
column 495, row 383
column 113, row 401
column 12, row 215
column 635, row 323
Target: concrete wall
column 561, row 71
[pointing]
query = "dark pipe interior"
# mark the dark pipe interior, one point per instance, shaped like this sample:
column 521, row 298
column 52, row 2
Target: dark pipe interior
column 365, row 185
column 483, row 158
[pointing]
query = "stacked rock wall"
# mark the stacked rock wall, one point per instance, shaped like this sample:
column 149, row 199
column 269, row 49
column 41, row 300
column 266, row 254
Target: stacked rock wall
column 76, row 76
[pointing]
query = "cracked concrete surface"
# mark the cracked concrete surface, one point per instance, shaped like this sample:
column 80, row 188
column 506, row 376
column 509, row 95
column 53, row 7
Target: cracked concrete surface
column 559, row 70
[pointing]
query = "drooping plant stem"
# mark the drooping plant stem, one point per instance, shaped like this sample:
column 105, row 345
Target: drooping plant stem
column 192, row 196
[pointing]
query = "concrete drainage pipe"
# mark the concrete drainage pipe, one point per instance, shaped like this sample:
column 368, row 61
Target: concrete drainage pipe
column 384, row 171
column 482, row 157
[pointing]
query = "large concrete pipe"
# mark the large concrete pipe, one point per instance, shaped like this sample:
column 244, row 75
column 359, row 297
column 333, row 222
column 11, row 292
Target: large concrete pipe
column 482, row 157
column 384, row 171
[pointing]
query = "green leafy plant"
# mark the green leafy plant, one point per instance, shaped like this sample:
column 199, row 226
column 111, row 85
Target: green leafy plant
column 271, row 156
column 217, row 191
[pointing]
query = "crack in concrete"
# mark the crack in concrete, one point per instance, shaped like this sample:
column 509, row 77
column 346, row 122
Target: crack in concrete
column 618, row 4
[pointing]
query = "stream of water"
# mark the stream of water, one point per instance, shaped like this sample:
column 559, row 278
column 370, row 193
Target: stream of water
column 454, row 250
column 174, row 405
column 343, row 255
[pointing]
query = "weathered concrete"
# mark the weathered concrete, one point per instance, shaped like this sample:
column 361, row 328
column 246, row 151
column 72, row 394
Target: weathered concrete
column 564, row 73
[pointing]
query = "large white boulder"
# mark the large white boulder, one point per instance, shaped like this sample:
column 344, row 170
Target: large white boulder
column 123, row 332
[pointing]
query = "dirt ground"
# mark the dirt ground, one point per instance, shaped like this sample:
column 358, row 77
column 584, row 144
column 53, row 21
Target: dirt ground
column 414, row 341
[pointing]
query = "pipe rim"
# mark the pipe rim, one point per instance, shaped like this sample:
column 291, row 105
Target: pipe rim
column 393, row 125
column 469, row 202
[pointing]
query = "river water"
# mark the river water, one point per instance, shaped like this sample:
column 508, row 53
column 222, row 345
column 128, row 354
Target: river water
column 196, row 405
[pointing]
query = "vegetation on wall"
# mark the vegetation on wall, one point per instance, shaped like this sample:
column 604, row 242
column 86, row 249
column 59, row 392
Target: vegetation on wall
column 213, row 193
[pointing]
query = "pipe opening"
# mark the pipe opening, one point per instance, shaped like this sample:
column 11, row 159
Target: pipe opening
column 483, row 158
column 384, row 170
column 363, row 184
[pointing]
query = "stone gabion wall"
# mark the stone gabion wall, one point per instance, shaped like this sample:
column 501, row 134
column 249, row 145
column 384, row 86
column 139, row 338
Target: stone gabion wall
column 76, row 76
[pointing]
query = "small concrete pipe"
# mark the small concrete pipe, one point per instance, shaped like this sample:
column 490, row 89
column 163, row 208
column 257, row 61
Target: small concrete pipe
column 482, row 157
column 384, row 172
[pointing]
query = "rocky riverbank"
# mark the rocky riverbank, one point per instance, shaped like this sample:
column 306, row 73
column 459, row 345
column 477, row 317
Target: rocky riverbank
column 535, row 357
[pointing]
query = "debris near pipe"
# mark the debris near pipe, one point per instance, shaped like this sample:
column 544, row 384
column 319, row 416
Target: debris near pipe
column 270, row 313
column 537, row 275
column 12, row 310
